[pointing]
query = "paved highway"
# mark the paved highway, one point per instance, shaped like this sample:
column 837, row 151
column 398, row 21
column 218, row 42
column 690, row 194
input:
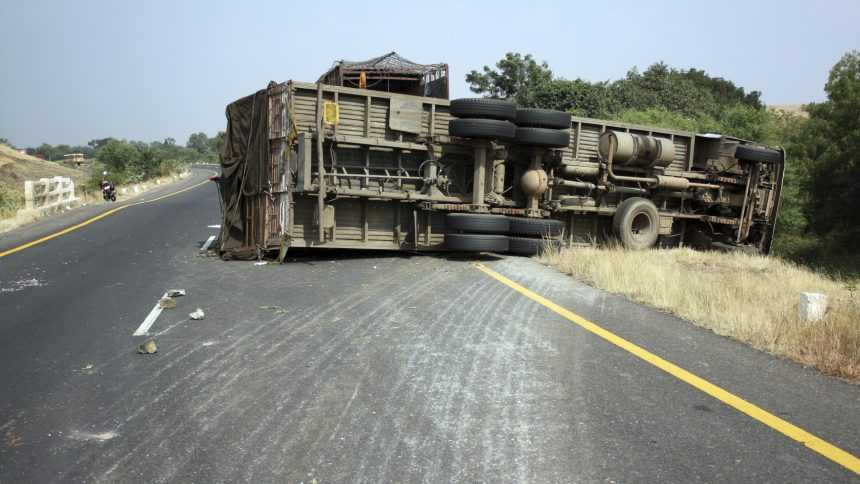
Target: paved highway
column 374, row 368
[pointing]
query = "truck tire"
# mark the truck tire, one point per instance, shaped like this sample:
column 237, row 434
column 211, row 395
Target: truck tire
column 755, row 153
column 482, row 108
column 529, row 246
column 478, row 223
column 476, row 242
column 539, row 227
column 544, row 137
column 542, row 118
column 482, row 129
column 636, row 223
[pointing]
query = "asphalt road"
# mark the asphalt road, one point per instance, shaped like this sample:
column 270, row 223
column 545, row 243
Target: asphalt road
column 367, row 367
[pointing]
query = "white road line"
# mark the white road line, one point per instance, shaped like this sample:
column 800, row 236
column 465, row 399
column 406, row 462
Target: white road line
column 208, row 243
column 150, row 319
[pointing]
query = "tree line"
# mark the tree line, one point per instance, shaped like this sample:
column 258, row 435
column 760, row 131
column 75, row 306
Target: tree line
column 129, row 161
column 819, row 218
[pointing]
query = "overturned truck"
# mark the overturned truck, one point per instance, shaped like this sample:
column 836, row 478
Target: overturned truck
column 374, row 156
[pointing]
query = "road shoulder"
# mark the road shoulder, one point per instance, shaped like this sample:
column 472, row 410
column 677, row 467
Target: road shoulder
column 777, row 385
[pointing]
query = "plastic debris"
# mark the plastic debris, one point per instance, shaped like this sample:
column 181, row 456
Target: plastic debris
column 148, row 347
column 166, row 303
column 260, row 263
column 175, row 292
column 197, row 315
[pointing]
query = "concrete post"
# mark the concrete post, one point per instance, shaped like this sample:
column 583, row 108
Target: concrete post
column 812, row 306
column 29, row 195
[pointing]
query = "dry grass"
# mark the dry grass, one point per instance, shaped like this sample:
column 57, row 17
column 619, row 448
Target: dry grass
column 749, row 298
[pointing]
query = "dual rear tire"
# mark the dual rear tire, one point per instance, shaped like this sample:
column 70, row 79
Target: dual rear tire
column 469, row 232
column 497, row 119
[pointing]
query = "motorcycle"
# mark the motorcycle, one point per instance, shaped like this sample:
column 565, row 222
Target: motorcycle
column 108, row 192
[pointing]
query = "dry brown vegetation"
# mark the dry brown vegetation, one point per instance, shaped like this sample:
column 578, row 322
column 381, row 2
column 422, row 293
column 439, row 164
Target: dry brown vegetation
column 749, row 298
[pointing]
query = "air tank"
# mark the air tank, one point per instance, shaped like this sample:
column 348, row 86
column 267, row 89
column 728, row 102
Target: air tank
column 637, row 149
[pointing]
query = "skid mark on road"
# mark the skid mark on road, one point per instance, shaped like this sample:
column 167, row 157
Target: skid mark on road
column 215, row 390
column 784, row 427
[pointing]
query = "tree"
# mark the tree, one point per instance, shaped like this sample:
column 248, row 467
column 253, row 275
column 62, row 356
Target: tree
column 515, row 77
column 579, row 97
column 691, row 93
column 216, row 143
column 836, row 171
column 118, row 155
column 198, row 142
column 98, row 143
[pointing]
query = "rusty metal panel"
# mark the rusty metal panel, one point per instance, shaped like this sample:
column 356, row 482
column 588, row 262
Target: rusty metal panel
column 405, row 115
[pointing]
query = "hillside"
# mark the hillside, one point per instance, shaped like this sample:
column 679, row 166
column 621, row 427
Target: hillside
column 15, row 168
column 795, row 109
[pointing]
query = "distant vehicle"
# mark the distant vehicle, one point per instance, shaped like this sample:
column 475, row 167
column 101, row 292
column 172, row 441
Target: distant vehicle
column 108, row 190
column 396, row 165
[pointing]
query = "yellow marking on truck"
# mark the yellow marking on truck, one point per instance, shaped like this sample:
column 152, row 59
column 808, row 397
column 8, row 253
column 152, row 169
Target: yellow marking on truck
column 788, row 429
column 91, row 220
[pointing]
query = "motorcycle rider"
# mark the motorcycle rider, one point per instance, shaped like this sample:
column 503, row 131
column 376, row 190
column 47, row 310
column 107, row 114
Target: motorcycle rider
column 107, row 188
column 105, row 182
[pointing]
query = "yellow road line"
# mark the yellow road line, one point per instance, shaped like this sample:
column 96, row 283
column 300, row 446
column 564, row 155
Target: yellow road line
column 824, row 448
column 91, row 220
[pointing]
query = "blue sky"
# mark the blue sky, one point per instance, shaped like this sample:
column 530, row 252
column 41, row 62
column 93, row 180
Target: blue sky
column 77, row 70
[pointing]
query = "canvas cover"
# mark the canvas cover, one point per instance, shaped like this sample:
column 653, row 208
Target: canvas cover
column 243, row 172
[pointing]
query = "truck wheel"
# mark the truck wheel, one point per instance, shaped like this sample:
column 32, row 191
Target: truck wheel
column 544, row 137
column 483, row 108
column 479, row 223
column 540, row 227
column 754, row 153
column 530, row 246
column 636, row 222
column 482, row 129
column 542, row 118
column 476, row 242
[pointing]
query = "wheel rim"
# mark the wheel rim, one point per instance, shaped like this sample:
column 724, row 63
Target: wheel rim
column 641, row 226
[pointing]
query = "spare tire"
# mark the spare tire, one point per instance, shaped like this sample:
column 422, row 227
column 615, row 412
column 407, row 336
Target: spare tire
column 476, row 242
column 542, row 118
column 530, row 246
column 483, row 108
column 480, row 223
column 755, row 153
column 541, row 227
column 544, row 137
column 482, row 129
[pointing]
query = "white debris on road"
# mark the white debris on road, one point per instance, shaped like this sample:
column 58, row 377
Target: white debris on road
column 88, row 436
column 197, row 315
column 21, row 285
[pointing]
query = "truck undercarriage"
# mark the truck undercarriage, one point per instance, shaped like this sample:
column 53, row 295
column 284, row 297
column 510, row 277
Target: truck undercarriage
column 332, row 166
